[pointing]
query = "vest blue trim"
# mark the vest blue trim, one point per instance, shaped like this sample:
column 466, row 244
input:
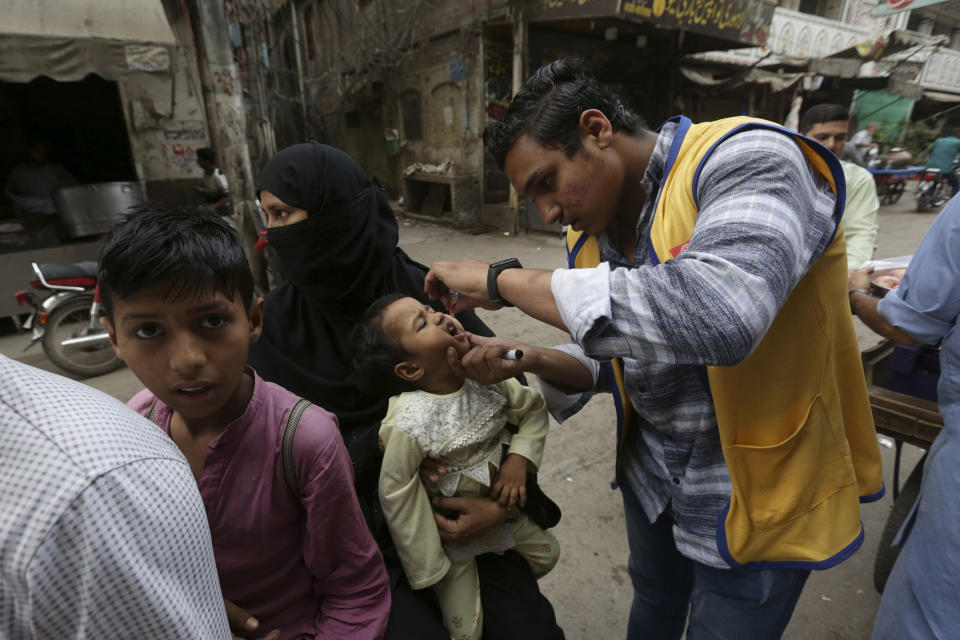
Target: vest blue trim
column 873, row 497
column 832, row 561
column 606, row 366
column 618, row 405
column 683, row 125
column 573, row 253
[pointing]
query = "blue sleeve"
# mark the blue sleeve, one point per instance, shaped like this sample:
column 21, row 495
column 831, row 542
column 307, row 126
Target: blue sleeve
column 927, row 303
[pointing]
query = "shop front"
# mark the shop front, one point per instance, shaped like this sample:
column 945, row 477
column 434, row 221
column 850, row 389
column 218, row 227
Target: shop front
column 635, row 47
column 88, row 114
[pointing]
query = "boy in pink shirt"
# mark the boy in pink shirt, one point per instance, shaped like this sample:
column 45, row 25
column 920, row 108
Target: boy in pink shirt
column 180, row 310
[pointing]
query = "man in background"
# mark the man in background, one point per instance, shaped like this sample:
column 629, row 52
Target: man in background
column 862, row 141
column 214, row 186
column 944, row 151
column 828, row 124
column 31, row 184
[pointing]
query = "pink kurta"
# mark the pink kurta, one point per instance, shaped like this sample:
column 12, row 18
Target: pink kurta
column 310, row 569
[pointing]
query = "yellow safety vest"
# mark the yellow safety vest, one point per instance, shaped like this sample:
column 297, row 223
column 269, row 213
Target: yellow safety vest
column 794, row 417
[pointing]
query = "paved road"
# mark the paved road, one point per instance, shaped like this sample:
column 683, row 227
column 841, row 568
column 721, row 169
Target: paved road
column 590, row 587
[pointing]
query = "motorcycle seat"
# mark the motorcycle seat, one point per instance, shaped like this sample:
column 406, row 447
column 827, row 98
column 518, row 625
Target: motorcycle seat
column 61, row 270
column 73, row 274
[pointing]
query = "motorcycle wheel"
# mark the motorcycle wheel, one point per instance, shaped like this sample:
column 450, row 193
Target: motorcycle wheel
column 924, row 202
column 71, row 320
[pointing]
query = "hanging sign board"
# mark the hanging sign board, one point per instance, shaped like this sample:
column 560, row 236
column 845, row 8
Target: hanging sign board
column 888, row 7
column 571, row 9
column 741, row 21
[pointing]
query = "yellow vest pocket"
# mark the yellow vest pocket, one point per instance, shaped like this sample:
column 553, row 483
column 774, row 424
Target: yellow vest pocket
column 773, row 481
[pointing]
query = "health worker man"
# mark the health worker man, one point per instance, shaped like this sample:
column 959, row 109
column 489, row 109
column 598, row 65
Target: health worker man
column 708, row 294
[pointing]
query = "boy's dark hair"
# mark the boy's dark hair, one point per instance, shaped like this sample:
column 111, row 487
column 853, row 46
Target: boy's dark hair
column 207, row 154
column 193, row 250
column 375, row 352
column 822, row 113
column 548, row 109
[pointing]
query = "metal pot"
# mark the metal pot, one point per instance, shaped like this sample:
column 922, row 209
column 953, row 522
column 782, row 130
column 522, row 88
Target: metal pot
column 91, row 209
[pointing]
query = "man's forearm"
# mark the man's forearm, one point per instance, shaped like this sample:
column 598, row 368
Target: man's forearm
column 529, row 290
column 558, row 368
column 865, row 307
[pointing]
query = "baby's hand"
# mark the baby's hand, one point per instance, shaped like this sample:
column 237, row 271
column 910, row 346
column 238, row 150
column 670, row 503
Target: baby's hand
column 510, row 487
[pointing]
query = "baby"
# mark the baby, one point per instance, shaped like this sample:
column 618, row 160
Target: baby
column 400, row 347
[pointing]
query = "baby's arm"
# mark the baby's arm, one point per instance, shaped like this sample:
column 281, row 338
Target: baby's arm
column 406, row 507
column 527, row 409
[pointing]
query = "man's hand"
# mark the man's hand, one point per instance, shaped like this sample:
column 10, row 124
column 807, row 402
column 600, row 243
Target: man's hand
column 859, row 278
column 484, row 362
column 510, row 487
column 467, row 277
column 477, row 516
column 242, row 622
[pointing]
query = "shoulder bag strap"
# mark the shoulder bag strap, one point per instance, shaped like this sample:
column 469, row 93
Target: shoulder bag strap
column 152, row 414
column 286, row 447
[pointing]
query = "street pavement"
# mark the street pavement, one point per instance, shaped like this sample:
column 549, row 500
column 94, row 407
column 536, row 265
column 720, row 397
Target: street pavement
column 590, row 587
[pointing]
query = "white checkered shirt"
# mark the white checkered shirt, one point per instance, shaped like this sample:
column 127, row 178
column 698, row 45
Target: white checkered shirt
column 102, row 531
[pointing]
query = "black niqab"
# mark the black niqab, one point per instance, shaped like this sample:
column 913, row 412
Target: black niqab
column 337, row 261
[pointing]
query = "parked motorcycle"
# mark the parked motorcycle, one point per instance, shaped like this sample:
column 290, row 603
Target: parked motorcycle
column 67, row 321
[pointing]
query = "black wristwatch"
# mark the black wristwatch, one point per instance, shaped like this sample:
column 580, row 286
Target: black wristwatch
column 495, row 270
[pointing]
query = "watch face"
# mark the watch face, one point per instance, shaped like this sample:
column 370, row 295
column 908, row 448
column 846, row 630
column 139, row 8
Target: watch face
column 509, row 263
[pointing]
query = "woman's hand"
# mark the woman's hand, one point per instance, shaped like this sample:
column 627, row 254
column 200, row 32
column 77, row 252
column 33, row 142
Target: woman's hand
column 477, row 516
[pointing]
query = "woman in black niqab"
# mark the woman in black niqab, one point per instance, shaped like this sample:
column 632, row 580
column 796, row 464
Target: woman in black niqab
column 337, row 261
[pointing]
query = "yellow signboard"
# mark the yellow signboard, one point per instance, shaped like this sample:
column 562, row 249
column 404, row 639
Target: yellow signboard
column 743, row 21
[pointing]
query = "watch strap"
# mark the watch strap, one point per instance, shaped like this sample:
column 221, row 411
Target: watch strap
column 850, row 296
column 495, row 269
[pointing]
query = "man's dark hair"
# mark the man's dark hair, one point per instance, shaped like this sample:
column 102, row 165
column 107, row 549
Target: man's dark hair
column 822, row 113
column 191, row 250
column 548, row 109
column 207, row 154
column 375, row 352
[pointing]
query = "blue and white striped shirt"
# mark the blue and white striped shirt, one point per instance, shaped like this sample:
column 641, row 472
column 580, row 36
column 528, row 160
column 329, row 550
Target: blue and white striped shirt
column 765, row 217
